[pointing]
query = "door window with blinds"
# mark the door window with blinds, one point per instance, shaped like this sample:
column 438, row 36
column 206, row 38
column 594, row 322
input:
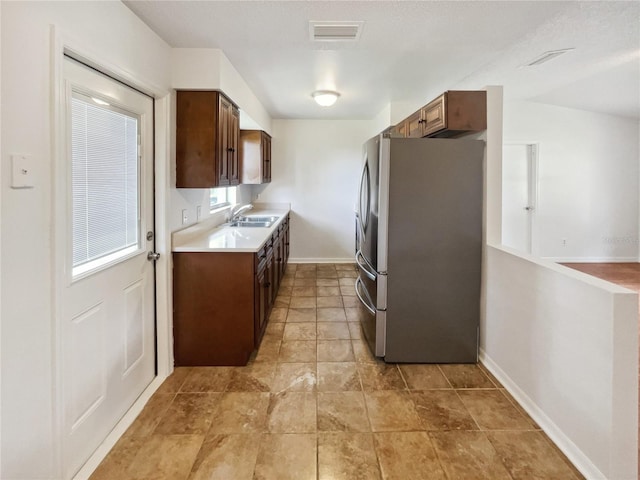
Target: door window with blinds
column 105, row 180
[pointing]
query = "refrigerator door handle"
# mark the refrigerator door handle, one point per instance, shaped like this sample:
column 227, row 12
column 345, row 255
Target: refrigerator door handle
column 364, row 188
column 364, row 266
column 360, row 297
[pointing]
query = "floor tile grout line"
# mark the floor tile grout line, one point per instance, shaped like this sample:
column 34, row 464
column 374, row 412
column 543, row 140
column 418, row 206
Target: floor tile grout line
column 404, row 380
column 499, row 457
column 467, row 409
column 444, row 375
column 435, row 450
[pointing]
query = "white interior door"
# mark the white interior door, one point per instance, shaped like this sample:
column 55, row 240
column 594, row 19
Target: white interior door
column 107, row 304
column 518, row 195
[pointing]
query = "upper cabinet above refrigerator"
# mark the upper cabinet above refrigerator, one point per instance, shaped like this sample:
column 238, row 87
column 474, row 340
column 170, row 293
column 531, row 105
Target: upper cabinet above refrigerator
column 453, row 113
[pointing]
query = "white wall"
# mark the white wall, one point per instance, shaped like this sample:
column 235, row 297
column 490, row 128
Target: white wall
column 316, row 167
column 563, row 343
column 209, row 69
column 119, row 38
column 588, row 181
column 381, row 121
column 566, row 345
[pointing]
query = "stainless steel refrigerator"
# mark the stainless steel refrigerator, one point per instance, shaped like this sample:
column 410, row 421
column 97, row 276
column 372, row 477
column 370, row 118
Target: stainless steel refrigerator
column 419, row 222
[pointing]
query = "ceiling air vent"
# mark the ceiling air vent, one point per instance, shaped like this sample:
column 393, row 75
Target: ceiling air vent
column 330, row 31
column 546, row 56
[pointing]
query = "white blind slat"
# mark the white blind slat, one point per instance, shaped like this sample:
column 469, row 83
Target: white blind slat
column 105, row 183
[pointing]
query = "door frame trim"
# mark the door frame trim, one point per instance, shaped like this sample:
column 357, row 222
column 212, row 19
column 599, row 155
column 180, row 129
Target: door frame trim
column 60, row 44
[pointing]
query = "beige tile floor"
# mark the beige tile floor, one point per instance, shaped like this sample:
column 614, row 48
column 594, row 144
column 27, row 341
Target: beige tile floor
column 313, row 403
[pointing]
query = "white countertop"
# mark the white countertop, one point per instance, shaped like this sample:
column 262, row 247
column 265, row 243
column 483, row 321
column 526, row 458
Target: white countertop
column 203, row 237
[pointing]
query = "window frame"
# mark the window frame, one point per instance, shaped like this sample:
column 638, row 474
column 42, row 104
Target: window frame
column 108, row 260
column 227, row 202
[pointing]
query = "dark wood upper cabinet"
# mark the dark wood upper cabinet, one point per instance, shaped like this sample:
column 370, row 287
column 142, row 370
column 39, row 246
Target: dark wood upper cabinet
column 413, row 128
column 400, row 130
column 255, row 156
column 453, row 113
column 233, row 148
column 207, row 137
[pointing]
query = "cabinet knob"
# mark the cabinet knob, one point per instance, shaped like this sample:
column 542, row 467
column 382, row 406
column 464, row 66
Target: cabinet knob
column 231, row 149
column 267, row 285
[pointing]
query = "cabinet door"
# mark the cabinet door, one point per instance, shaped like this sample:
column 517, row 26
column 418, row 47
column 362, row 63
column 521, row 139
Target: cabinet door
column 232, row 151
column 434, row 115
column 197, row 124
column 281, row 257
column 413, row 128
column 277, row 265
column 286, row 242
column 269, row 285
column 266, row 158
column 224, row 125
column 260, row 304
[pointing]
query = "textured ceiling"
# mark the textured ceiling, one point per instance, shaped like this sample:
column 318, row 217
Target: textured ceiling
column 410, row 51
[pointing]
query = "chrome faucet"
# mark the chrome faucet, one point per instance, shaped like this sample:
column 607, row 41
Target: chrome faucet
column 236, row 213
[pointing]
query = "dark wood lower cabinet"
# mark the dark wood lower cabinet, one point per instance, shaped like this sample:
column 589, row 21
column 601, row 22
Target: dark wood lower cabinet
column 261, row 305
column 222, row 301
column 213, row 308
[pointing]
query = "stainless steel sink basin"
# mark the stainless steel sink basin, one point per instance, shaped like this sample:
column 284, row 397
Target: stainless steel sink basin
column 243, row 223
column 259, row 219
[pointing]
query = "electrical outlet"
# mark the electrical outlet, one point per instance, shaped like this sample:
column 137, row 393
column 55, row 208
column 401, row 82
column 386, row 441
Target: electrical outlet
column 185, row 216
column 563, row 241
column 198, row 213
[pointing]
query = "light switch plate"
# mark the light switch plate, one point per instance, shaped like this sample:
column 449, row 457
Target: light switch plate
column 21, row 171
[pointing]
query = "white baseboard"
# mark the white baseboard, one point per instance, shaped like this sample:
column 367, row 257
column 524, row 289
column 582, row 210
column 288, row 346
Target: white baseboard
column 564, row 443
column 591, row 259
column 322, row 260
column 105, row 447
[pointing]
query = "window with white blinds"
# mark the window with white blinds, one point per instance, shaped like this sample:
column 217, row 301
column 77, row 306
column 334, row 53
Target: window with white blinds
column 105, row 182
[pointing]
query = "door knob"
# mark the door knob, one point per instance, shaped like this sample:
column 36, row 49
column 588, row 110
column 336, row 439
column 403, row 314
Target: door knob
column 153, row 256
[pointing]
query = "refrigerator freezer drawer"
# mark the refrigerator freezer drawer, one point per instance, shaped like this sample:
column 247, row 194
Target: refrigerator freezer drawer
column 373, row 321
column 373, row 282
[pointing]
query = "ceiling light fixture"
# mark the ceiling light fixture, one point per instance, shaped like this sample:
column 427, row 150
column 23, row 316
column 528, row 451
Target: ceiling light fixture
column 325, row 98
column 546, row 56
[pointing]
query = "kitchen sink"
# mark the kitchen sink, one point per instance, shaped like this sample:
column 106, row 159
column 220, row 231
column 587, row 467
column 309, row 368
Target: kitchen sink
column 259, row 219
column 243, row 223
